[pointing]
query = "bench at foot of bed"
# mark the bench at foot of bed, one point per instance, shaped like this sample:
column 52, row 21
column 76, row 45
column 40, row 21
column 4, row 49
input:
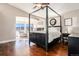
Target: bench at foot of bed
column 73, row 46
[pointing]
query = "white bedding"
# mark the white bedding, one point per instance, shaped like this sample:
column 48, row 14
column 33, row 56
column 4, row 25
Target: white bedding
column 53, row 35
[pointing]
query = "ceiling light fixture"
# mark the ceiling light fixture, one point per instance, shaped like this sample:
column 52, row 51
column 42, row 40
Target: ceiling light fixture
column 40, row 5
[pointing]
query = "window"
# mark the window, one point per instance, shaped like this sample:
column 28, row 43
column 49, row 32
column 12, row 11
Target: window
column 22, row 26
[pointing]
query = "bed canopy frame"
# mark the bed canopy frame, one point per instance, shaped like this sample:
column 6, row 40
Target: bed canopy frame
column 46, row 10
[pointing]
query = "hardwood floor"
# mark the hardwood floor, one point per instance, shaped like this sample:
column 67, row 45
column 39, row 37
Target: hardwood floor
column 21, row 48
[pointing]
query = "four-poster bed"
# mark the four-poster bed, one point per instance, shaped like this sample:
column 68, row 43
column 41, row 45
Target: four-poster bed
column 47, row 38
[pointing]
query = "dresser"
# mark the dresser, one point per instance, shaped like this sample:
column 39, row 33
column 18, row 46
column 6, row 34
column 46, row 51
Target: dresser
column 73, row 46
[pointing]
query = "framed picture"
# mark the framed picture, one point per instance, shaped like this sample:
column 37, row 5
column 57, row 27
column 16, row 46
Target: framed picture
column 68, row 22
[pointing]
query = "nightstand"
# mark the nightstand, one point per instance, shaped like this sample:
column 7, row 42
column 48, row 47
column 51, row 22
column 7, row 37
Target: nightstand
column 65, row 37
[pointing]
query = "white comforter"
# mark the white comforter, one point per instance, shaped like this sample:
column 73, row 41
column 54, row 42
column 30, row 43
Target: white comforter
column 53, row 35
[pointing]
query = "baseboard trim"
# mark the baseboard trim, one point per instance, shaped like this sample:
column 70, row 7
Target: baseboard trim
column 2, row 42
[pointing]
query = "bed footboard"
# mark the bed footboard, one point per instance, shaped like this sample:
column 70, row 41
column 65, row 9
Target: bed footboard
column 38, row 38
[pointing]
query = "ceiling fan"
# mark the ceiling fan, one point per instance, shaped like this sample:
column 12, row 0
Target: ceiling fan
column 40, row 5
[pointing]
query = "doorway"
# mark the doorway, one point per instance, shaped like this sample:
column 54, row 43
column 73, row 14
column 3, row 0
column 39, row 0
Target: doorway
column 22, row 27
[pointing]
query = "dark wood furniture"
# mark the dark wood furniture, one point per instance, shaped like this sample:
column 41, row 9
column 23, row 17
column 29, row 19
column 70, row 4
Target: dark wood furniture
column 65, row 37
column 73, row 46
column 40, row 40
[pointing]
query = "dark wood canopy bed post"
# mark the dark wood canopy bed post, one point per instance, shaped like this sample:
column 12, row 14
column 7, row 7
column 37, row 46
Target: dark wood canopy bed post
column 29, row 29
column 61, row 28
column 60, row 22
column 47, row 28
column 42, row 39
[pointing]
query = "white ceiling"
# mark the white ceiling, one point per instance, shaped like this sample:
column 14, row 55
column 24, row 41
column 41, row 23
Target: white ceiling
column 58, row 7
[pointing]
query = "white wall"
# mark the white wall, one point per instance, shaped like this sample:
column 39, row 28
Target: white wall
column 75, row 19
column 8, row 21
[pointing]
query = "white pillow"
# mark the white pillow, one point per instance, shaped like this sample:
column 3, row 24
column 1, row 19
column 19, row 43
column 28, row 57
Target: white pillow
column 53, row 29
